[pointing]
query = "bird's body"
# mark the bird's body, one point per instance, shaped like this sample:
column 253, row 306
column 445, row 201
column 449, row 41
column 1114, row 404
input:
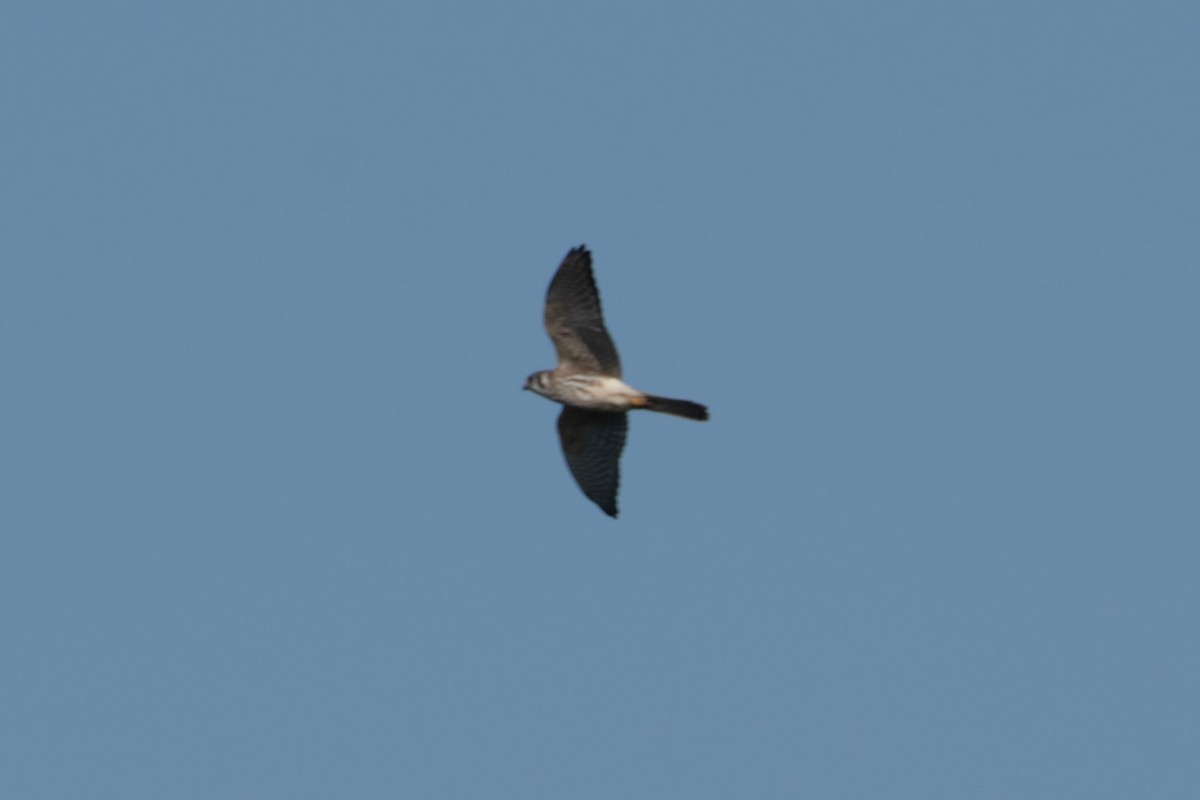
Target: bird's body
column 588, row 382
column 606, row 393
column 594, row 392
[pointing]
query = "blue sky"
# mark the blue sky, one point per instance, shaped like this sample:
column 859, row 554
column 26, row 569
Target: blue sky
column 279, row 522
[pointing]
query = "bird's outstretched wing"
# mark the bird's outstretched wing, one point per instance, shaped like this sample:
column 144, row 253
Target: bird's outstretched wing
column 592, row 441
column 574, row 319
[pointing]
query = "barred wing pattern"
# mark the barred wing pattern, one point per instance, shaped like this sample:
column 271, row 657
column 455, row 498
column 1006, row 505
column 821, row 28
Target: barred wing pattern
column 574, row 319
column 592, row 441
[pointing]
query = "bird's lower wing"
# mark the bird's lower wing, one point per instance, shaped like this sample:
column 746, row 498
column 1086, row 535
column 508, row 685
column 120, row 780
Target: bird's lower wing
column 592, row 442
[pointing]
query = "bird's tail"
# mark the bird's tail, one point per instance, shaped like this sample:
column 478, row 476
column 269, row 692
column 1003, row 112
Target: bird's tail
column 680, row 408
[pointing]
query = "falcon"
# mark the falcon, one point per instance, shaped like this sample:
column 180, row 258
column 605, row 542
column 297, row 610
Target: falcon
column 587, row 381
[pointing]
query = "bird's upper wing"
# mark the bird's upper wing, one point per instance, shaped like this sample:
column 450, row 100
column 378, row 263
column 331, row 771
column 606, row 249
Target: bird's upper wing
column 592, row 441
column 574, row 320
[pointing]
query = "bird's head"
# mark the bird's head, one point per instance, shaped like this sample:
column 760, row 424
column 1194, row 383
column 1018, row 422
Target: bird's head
column 535, row 382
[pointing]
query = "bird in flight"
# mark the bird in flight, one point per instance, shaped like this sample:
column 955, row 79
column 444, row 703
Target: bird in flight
column 587, row 381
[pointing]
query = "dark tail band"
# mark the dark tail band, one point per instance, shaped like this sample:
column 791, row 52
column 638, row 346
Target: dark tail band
column 680, row 408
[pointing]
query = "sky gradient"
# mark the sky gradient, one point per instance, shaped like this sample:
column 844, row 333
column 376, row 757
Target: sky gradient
column 277, row 520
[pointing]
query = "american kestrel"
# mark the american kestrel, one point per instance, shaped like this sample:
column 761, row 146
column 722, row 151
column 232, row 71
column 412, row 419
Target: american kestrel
column 587, row 381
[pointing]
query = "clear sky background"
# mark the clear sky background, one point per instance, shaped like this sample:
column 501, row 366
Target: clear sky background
column 277, row 520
